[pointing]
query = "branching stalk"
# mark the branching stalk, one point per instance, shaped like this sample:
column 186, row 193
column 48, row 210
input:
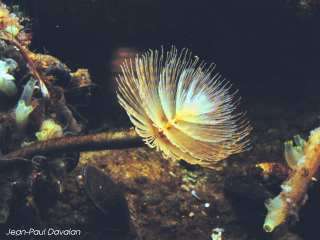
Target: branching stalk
column 303, row 157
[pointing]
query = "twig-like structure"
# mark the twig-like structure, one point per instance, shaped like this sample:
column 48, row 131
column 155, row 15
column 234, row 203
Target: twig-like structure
column 304, row 160
column 106, row 140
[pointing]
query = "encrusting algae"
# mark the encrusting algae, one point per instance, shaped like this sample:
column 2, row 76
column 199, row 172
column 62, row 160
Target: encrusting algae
column 180, row 107
column 304, row 160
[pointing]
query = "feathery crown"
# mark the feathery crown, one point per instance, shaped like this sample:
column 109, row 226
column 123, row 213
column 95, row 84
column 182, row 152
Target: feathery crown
column 180, row 107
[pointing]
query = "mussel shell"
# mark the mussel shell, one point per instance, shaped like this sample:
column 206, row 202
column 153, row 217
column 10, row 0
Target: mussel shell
column 107, row 197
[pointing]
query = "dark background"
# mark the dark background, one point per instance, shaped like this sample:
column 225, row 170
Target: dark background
column 269, row 49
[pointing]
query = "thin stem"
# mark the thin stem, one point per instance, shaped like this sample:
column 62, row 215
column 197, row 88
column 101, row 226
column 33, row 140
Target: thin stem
column 117, row 139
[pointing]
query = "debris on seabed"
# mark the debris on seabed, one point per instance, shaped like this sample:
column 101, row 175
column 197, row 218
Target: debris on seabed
column 194, row 193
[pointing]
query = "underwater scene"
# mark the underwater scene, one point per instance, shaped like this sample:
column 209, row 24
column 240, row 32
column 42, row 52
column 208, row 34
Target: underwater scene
column 159, row 120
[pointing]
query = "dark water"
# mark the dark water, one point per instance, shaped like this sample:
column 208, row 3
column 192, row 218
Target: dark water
column 266, row 48
column 269, row 50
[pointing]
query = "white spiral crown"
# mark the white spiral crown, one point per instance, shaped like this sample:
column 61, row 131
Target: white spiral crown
column 180, row 107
